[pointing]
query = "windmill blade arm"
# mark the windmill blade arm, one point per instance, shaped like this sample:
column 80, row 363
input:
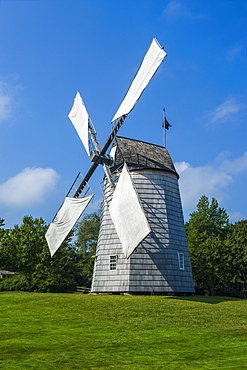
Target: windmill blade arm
column 113, row 133
column 102, row 152
column 146, row 71
column 85, row 180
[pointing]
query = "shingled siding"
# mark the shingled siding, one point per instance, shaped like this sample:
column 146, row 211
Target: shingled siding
column 154, row 266
column 104, row 279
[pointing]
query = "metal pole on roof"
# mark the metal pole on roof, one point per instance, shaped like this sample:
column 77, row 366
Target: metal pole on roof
column 164, row 126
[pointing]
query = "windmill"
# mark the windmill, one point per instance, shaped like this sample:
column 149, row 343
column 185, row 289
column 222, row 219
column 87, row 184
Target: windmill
column 142, row 244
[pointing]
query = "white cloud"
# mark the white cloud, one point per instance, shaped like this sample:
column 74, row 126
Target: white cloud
column 28, row 187
column 5, row 101
column 233, row 166
column 173, row 9
column 197, row 181
column 234, row 51
column 237, row 216
column 176, row 9
column 226, row 111
column 211, row 180
column 181, row 167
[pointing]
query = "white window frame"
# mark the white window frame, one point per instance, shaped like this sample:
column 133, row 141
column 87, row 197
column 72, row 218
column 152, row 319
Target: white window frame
column 181, row 261
column 113, row 262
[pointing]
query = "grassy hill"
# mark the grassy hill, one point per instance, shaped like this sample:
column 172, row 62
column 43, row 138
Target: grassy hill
column 76, row 331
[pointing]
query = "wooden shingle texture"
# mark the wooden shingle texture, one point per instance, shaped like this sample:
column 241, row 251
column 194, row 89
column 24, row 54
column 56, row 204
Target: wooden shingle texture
column 141, row 155
column 154, row 265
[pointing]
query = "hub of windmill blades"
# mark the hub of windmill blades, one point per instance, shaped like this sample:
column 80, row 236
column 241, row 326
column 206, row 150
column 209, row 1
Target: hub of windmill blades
column 98, row 158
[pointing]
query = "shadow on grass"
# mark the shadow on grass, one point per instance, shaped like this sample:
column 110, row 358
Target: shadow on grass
column 206, row 299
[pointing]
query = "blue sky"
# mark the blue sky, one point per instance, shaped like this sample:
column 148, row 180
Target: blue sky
column 50, row 49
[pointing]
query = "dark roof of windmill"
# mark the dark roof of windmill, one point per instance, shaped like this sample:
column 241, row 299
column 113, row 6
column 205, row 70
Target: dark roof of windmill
column 141, row 155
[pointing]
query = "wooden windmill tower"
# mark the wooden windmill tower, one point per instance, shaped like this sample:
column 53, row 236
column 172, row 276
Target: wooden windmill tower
column 142, row 244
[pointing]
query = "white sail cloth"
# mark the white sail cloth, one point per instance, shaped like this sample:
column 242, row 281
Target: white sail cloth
column 65, row 219
column 127, row 214
column 147, row 69
column 113, row 152
column 79, row 118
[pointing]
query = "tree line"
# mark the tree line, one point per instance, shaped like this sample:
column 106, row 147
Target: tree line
column 218, row 251
column 24, row 250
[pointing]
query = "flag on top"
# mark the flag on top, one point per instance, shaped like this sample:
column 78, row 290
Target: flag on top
column 166, row 124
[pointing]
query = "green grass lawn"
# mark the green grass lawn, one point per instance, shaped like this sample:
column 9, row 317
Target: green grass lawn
column 76, row 331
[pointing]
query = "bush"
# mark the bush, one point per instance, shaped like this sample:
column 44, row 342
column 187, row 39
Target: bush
column 14, row 282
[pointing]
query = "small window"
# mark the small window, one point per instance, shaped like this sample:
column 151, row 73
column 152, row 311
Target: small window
column 113, row 262
column 181, row 261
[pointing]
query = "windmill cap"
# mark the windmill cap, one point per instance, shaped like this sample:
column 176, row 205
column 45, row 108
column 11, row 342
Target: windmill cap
column 142, row 155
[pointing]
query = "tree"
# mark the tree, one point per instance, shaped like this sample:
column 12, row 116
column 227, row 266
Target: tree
column 209, row 245
column 21, row 247
column 57, row 274
column 1, row 222
column 87, row 231
column 239, row 255
column 1, row 227
column 24, row 248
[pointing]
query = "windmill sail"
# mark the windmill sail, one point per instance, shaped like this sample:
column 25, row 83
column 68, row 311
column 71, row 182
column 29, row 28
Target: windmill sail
column 65, row 219
column 147, row 69
column 127, row 214
column 79, row 118
column 113, row 152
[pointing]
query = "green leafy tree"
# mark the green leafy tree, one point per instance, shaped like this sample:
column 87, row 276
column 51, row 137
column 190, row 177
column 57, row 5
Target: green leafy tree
column 58, row 273
column 24, row 248
column 87, row 231
column 8, row 250
column 2, row 233
column 209, row 245
column 1, row 222
column 239, row 254
column 1, row 228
